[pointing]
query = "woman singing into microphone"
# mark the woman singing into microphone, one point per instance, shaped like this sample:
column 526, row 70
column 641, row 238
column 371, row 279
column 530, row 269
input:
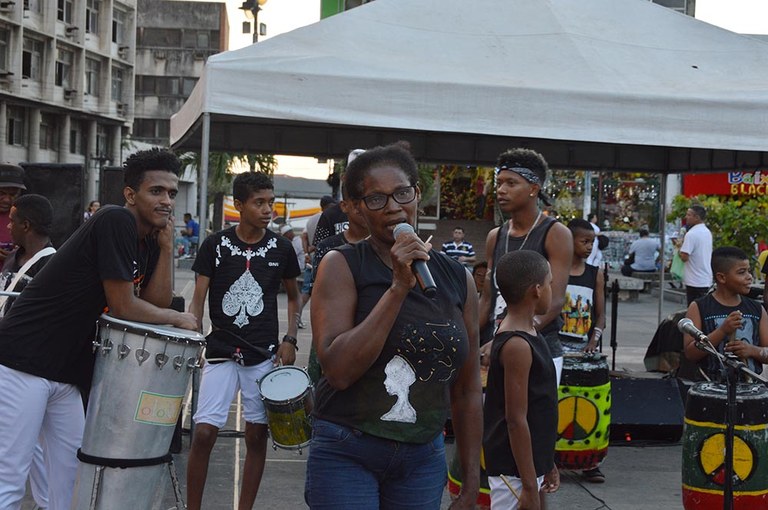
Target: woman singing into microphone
column 393, row 359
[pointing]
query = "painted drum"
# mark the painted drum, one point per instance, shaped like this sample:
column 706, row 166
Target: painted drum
column 584, row 412
column 704, row 447
column 288, row 400
column 454, row 481
column 139, row 381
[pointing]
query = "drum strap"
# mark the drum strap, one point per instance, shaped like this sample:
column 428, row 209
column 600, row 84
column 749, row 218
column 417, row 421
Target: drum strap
column 122, row 463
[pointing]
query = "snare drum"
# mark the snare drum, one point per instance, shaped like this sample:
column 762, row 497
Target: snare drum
column 584, row 412
column 139, row 381
column 288, row 400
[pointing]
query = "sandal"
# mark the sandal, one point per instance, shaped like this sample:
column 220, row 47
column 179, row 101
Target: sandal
column 594, row 475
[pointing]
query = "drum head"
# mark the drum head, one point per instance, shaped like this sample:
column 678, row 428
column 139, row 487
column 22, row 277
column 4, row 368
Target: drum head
column 284, row 383
column 154, row 330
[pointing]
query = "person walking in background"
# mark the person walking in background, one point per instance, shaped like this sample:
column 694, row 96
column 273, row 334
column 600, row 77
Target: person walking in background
column 393, row 359
column 11, row 187
column 93, row 206
column 696, row 252
column 308, row 244
column 520, row 410
column 520, row 177
column 301, row 258
column 643, row 253
column 596, row 255
column 357, row 231
column 242, row 268
column 458, row 249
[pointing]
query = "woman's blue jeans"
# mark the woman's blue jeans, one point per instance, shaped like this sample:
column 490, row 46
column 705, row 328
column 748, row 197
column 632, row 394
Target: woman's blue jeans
column 350, row 470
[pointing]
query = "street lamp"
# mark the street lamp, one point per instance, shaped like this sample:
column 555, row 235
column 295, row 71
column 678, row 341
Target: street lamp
column 251, row 9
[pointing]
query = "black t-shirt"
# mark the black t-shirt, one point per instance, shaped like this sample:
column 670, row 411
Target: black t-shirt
column 245, row 280
column 333, row 221
column 50, row 328
column 323, row 248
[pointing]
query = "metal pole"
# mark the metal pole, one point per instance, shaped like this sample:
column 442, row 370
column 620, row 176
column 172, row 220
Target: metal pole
column 663, row 234
column 203, row 176
column 614, row 319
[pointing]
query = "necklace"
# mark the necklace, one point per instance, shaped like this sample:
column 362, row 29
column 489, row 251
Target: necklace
column 511, row 225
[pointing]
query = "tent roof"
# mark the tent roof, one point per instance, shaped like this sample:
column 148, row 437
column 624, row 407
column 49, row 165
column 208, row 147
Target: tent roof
column 600, row 84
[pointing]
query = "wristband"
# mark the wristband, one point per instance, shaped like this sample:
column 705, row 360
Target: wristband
column 598, row 332
column 291, row 340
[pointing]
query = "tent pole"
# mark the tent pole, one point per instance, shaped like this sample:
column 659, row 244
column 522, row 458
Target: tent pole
column 203, row 176
column 663, row 234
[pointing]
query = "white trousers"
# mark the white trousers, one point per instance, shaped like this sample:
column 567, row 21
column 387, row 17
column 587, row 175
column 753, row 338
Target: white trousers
column 502, row 496
column 32, row 409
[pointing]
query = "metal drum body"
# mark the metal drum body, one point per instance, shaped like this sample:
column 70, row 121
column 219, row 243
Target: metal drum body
column 288, row 400
column 584, row 412
column 139, row 382
column 704, row 444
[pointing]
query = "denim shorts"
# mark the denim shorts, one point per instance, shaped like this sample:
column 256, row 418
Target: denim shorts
column 350, row 470
column 306, row 284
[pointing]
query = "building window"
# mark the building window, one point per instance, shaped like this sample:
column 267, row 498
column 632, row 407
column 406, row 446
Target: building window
column 76, row 139
column 92, row 76
column 64, row 10
column 16, row 126
column 102, row 141
column 167, row 86
column 117, row 84
column 49, row 132
column 64, row 59
column 187, row 85
column 5, row 37
column 32, row 59
column 33, row 6
column 92, row 16
column 118, row 26
column 145, row 85
column 159, row 37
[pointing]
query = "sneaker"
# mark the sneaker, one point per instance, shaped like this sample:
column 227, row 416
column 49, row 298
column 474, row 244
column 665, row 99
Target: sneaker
column 594, row 475
column 300, row 324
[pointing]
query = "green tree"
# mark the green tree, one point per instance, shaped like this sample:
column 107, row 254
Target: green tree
column 734, row 221
column 220, row 166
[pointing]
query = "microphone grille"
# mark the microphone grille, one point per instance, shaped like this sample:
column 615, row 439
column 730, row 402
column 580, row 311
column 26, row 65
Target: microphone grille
column 402, row 228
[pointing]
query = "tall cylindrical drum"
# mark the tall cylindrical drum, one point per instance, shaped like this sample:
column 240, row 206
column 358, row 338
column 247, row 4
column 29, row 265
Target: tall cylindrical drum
column 139, row 382
column 704, row 447
column 584, row 412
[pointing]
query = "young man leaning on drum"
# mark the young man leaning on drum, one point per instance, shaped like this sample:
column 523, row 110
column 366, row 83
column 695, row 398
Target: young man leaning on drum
column 242, row 267
column 121, row 259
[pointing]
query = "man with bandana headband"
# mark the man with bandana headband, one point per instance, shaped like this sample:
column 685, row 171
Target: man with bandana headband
column 520, row 176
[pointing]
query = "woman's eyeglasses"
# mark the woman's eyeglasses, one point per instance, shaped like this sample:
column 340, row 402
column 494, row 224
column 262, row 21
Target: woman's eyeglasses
column 377, row 201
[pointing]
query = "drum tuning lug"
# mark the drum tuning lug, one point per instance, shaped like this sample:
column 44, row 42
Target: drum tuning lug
column 106, row 347
column 123, row 351
column 178, row 362
column 274, row 446
column 192, row 363
column 141, row 355
column 96, row 345
column 161, row 360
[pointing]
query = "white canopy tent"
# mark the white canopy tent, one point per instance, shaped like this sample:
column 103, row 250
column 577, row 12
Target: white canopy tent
column 599, row 84
column 591, row 84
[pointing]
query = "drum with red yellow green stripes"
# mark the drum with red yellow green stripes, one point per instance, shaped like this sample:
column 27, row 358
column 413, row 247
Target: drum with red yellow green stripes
column 704, row 447
column 584, row 412
column 454, row 481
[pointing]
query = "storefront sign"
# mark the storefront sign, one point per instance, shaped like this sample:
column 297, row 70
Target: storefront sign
column 731, row 183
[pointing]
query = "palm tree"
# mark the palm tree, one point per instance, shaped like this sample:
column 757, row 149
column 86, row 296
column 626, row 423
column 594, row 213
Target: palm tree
column 220, row 165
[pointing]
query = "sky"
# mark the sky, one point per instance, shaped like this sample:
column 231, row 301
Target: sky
column 741, row 16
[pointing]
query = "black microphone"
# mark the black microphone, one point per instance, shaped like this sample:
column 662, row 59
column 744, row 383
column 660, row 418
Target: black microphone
column 686, row 326
column 419, row 267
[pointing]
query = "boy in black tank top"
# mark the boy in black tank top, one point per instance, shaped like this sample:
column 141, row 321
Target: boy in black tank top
column 520, row 426
column 732, row 321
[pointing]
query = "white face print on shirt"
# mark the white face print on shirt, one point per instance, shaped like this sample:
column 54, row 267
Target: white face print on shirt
column 400, row 377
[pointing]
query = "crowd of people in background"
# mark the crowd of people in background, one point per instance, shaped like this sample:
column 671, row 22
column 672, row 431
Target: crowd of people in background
column 390, row 360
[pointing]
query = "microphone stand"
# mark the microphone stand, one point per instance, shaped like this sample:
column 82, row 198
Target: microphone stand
column 730, row 368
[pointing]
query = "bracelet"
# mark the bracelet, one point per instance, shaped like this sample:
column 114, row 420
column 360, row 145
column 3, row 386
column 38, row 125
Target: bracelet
column 597, row 331
column 291, row 340
column 764, row 354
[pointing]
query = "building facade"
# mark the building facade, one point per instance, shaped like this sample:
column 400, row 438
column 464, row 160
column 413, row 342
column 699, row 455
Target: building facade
column 173, row 41
column 66, row 81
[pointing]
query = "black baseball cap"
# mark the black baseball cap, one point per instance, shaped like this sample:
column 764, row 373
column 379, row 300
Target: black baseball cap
column 11, row 176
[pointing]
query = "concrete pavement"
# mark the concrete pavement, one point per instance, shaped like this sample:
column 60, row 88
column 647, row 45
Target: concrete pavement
column 637, row 476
